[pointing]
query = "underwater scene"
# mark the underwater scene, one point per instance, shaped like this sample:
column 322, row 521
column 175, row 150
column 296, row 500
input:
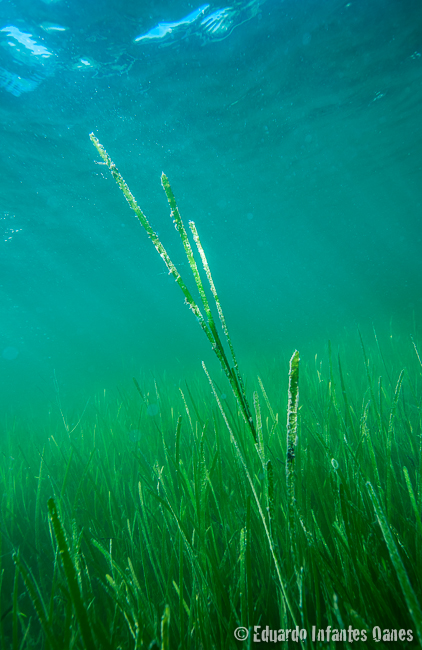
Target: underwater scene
column 210, row 333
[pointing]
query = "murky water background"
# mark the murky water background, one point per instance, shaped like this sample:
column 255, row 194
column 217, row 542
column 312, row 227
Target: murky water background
column 291, row 134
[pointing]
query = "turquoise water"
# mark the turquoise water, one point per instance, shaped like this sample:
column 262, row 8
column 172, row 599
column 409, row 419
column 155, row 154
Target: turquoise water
column 291, row 134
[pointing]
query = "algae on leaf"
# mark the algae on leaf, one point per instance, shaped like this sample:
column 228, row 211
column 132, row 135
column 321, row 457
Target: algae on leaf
column 208, row 325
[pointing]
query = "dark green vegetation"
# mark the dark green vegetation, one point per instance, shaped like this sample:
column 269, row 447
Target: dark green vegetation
column 180, row 526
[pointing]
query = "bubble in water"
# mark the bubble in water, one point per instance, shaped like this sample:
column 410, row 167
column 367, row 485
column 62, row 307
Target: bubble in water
column 152, row 410
column 134, row 435
column 10, row 353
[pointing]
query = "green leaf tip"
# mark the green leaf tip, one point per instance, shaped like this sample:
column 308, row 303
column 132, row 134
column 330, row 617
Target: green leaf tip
column 165, row 629
column 71, row 577
column 293, row 401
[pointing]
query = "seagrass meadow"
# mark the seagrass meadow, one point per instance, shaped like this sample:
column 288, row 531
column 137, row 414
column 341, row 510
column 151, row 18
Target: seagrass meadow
column 210, row 325
column 281, row 508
